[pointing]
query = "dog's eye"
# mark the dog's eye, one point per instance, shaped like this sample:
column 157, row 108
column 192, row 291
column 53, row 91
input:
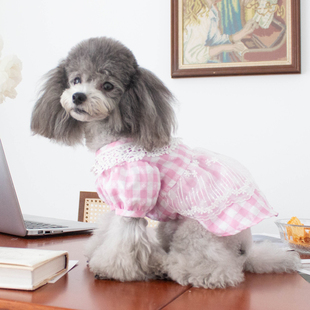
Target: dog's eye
column 77, row 80
column 107, row 86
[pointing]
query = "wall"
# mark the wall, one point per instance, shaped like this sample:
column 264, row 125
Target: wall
column 263, row 121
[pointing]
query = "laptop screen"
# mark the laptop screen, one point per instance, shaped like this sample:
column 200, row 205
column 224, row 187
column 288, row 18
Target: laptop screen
column 11, row 219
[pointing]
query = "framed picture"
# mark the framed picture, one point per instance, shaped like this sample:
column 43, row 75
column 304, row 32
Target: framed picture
column 234, row 37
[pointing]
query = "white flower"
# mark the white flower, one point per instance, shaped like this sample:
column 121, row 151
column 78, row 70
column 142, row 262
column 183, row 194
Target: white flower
column 10, row 76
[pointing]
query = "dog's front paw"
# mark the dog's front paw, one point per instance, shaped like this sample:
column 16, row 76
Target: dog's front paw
column 219, row 279
column 118, row 266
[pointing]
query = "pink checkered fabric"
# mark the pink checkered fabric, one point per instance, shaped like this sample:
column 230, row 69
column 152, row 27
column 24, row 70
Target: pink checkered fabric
column 239, row 216
column 176, row 182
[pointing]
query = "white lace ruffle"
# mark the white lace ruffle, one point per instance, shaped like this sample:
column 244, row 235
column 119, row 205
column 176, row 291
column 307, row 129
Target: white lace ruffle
column 209, row 208
column 128, row 152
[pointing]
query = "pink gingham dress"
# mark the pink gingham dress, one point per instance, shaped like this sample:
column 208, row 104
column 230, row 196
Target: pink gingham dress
column 176, row 182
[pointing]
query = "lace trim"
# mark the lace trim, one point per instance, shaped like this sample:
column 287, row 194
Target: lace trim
column 128, row 152
column 220, row 203
column 190, row 174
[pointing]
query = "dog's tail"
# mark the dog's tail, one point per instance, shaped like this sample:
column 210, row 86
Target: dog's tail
column 265, row 257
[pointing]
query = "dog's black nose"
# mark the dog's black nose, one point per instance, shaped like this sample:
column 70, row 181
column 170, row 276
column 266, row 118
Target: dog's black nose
column 78, row 98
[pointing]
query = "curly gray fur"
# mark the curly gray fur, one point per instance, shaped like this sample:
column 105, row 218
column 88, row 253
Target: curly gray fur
column 140, row 102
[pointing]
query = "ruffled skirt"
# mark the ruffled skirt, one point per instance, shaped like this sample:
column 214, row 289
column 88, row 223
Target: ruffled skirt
column 220, row 193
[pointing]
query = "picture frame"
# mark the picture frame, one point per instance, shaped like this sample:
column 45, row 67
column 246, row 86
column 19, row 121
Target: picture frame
column 273, row 47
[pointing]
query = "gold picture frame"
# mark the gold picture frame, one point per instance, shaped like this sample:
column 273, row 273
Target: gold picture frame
column 234, row 37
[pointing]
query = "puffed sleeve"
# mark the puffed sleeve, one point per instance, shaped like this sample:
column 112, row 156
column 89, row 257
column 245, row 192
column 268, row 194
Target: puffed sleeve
column 131, row 189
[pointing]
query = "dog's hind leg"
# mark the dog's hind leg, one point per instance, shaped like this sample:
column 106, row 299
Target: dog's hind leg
column 266, row 258
column 124, row 251
column 200, row 258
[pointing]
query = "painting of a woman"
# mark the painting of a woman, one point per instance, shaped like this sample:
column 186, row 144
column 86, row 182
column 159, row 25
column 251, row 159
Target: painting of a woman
column 223, row 31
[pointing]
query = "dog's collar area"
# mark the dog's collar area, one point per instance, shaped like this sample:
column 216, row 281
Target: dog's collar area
column 125, row 150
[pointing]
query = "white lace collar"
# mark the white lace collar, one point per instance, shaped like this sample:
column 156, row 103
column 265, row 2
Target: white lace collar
column 123, row 151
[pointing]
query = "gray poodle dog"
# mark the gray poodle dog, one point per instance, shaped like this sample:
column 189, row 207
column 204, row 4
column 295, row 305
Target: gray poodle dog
column 205, row 202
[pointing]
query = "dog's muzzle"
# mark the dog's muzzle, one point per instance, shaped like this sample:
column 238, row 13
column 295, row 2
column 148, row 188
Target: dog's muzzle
column 79, row 98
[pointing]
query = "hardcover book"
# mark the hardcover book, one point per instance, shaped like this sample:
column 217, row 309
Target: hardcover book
column 28, row 269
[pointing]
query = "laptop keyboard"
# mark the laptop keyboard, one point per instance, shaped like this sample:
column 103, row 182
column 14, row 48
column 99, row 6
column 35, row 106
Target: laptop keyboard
column 38, row 225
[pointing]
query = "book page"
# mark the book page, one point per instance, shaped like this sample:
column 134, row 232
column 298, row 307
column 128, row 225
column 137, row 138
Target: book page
column 26, row 257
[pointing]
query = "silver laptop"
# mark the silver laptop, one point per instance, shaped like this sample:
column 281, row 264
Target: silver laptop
column 13, row 222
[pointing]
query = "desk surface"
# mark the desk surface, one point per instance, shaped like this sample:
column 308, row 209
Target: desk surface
column 79, row 290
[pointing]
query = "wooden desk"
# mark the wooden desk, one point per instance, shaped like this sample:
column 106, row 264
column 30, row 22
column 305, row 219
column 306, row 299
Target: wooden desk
column 79, row 290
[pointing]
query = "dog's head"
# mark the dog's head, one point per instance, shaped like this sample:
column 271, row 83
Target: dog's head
column 100, row 83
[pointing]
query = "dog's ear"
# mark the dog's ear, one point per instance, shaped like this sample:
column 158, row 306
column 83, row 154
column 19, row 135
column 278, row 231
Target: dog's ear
column 146, row 110
column 49, row 119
